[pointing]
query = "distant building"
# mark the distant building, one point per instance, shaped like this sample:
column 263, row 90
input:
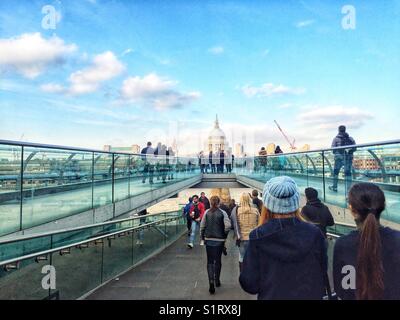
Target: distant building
column 132, row 149
column 366, row 164
column 239, row 150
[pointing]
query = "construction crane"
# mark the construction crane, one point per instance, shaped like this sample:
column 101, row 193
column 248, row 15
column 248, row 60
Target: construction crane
column 292, row 146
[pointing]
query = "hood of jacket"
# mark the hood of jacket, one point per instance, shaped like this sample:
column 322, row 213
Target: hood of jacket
column 288, row 240
column 315, row 203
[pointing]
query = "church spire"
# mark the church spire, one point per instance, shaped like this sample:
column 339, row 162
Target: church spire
column 216, row 122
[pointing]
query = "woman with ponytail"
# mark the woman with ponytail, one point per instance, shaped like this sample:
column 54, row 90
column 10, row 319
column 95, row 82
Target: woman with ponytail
column 366, row 262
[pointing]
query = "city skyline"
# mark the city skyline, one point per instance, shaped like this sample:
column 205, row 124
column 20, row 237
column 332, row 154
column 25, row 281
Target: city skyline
column 125, row 73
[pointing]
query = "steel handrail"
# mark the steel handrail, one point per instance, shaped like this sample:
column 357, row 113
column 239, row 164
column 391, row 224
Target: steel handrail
column 51, row 233
column 76, row 244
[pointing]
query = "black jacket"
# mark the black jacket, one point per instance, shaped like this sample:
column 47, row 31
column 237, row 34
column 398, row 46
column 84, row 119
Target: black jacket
column 345, row 253
column 206, row 202
column 285, row 259
column 318, row 213
column 258, row 203
column 215, row 225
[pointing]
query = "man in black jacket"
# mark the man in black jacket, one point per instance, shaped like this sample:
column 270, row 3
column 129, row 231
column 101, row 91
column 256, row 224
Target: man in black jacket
column 316, row 212
column 343, row 158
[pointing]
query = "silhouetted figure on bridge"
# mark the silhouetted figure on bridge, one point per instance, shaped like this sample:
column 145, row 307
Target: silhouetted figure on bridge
column 148, row 158
column 343, row 158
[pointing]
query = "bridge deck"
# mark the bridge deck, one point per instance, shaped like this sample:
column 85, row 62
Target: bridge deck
column 177, row 273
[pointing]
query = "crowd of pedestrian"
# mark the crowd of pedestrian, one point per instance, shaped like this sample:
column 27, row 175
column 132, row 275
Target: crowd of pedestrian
column 283, row 248
column 216, row 162
column 158, row 163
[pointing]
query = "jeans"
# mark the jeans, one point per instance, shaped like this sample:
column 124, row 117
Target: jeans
column 214, row 253
column 342, row 161
column 242, row 249
column 148, row 172
column 193, row 229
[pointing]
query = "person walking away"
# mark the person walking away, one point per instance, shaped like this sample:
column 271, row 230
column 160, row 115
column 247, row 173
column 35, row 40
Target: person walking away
column 221, row 161
column 244, row 219
column 371, row 253
column 256, row 200
column 215, row 162
column 214, row 229
column 343, row 158
column 316, row 212
column 157, row 167
column 210, row 161
column 202, row 162
column 186, row 210
column 162, row 162
column 232, row 205
column 286, row 257
column 148, row 158
column 204, row 200
column 196, row 213
column 228, row 160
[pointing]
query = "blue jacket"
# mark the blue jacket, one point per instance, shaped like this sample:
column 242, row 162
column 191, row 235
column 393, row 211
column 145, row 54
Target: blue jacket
column 286, row 259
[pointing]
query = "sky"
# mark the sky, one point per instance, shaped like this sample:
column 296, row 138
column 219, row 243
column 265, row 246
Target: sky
column 87, row 73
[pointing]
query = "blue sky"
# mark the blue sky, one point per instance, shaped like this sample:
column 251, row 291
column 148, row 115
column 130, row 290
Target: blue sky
column 124, row 72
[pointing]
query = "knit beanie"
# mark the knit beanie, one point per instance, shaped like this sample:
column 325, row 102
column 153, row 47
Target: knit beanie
column 280, row 195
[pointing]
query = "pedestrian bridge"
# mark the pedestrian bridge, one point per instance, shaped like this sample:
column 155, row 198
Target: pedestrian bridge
column 73, row 209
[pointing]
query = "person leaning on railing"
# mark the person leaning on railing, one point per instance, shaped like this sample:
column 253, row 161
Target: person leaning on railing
column 366, row 262
column 286, row 257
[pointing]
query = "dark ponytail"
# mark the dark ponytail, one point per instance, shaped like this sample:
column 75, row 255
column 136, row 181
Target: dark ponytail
column 368, row 201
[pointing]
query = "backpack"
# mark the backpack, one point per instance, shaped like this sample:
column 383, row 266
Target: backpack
column 346, row 141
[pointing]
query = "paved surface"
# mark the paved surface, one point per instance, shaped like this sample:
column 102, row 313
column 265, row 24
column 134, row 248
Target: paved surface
column 177, row 273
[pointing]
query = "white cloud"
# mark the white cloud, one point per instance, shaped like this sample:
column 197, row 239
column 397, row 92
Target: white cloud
column 127, row 51
column 30, row 54
column 156, row 92
column 216, row 50
column 52, row 88
column 305, row 23
column 270, row 89
column 329, row 118
column 105, row 66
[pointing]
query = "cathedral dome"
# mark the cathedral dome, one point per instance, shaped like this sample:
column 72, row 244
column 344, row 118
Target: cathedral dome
column 216, row 138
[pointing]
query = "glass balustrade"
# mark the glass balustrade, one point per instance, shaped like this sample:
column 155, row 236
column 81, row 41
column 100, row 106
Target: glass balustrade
column 104, row 252
column 333, row 171
column 40, row 184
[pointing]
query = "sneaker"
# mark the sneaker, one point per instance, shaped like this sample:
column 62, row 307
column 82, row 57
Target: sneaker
column 190, row 245
column 332, row 188
column 224, row 251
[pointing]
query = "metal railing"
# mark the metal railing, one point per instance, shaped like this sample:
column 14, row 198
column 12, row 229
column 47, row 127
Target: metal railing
column 106, row 256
